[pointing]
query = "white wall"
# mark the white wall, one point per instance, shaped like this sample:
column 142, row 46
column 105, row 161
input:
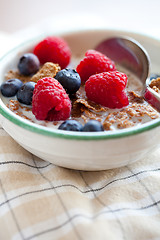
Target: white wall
column 142, row 14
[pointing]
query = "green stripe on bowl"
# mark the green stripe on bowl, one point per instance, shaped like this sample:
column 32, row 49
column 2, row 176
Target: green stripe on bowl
column 26, row 124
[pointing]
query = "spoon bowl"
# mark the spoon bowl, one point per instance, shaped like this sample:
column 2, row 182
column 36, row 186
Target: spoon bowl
column 130, row 54
column 127, row 53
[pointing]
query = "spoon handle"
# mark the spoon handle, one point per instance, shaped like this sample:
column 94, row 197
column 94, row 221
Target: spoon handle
column 152, row 97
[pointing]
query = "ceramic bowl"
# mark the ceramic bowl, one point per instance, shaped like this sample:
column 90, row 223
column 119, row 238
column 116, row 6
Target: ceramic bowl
column 77, row 150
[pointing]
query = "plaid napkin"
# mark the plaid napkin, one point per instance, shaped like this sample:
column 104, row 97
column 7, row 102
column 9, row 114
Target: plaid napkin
column 39, row 200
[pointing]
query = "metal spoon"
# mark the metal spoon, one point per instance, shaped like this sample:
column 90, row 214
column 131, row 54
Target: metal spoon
column 129, row 54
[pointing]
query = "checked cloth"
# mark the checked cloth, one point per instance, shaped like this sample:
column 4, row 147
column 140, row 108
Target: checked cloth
column 39, row 200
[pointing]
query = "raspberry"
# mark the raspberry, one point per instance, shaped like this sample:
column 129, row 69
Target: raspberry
column 107, row 89
column 50, row 101
column 94, row 62
column 53, row 49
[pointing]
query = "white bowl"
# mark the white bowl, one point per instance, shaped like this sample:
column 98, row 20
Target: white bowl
column 77, row 150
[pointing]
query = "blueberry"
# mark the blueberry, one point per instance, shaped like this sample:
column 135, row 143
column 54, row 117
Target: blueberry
column 154, row 76
column 25, row 93
column 69, row 79
column 10, row 87
column 71, row 125
column 28, row 64
column 93, row 126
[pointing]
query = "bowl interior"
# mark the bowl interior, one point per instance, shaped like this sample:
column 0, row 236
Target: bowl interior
column 79, row 42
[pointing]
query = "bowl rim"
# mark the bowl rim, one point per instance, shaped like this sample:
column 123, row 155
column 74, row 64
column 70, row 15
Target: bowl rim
column 33, row 127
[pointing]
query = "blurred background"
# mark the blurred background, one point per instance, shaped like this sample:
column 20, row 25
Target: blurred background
column 22, row 19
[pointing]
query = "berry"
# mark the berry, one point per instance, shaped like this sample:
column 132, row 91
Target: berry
column 50, row 100
column 53, row 49
column 107, row 89
column 25, row 93
column 69, row 79
column 71, row 125
column 154, row 76
column 92, row 126
column 10, row 87
column 28, row 64
column 94, row 62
